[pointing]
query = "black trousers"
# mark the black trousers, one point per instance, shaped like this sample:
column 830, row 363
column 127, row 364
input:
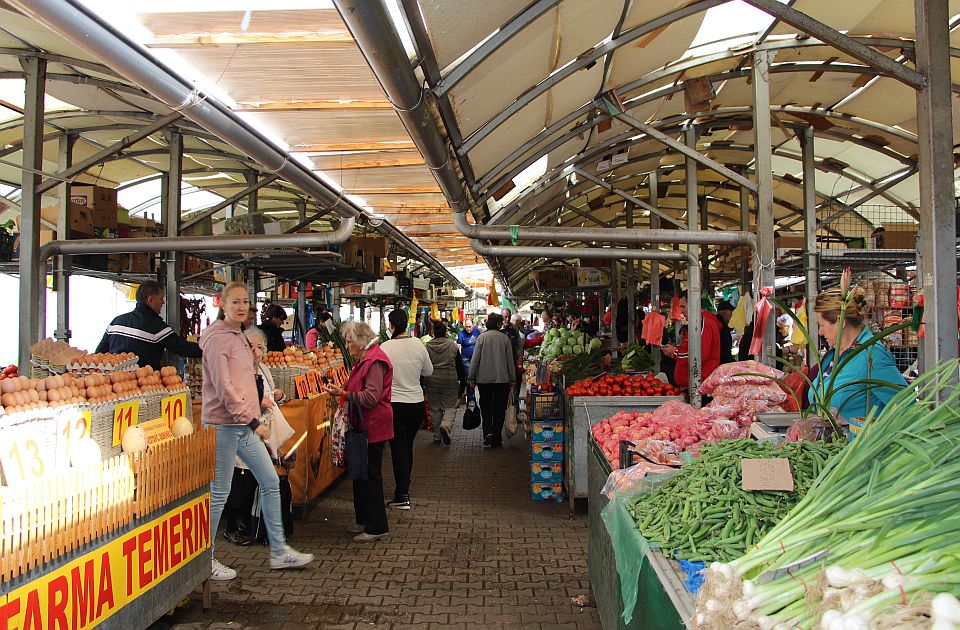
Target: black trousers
column 407, row 420
column 493, row 409
column 368, row 495
column 240, row 501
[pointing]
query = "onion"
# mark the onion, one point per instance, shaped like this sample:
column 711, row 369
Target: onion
column 853, row 621
column 946, row 607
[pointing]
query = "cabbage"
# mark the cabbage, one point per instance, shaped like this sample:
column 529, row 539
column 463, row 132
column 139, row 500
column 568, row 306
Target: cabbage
column 595, row 343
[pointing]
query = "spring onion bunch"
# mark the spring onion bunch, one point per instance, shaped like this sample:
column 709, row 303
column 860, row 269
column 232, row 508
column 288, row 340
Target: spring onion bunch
column 878, row 529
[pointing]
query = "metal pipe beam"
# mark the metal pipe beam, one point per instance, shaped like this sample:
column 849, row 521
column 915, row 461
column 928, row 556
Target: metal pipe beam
column 810, row 237
column 110, row 151
column 370, row 24
column 874, row 192
column 81, row 27
column 587, row 215
column 938, row 238
column 636, row 236
column 843, row 43
column 33, row 290
column 627, row 197
column 653, row 191
column 209, row 212
column 687, row 151
column 763, row 271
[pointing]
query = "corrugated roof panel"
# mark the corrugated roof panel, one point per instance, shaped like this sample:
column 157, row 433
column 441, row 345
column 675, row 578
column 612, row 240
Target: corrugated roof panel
column 583, row 25
column 499, row 80
column 384, row 178
column 456, row 26
column 652, row 51
column 299, row 128
column 573, row 92
column 526, row 123
column 284, row 21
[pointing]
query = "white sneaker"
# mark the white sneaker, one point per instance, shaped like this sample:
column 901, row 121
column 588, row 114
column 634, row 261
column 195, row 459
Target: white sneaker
column 220, row 571
column 290, row 558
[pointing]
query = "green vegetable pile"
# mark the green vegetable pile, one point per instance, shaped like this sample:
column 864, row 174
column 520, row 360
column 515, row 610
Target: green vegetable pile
column 703, row 514
column 565, row 342
column 584, row 365
column 635, row 359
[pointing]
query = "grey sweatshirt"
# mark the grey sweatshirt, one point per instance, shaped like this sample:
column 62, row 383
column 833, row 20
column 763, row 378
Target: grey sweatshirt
column 493, row 359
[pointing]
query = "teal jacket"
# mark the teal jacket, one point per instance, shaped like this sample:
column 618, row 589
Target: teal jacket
column 875, row 363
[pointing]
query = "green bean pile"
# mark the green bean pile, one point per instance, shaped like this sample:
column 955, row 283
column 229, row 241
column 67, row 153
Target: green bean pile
column 702, row 513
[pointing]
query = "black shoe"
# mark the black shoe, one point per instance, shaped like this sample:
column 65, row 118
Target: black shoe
column 400, row 503
column 487, row 440
column 445, row 435
column 237, row 538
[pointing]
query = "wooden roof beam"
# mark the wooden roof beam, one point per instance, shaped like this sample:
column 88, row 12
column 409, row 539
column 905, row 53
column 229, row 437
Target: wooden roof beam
column 323, row 105
column 353, row 146
column 207, row 40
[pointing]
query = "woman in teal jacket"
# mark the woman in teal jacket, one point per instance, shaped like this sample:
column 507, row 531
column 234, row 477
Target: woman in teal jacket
column 875, row 363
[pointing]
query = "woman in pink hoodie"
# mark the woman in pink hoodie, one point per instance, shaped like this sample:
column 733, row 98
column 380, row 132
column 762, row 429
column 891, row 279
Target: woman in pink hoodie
column 233, row 404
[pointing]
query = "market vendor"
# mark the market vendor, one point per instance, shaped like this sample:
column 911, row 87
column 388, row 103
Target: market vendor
column 143, row 332
column 271, row 323
column 321, row 332
column 709, row 348
column 875, row 363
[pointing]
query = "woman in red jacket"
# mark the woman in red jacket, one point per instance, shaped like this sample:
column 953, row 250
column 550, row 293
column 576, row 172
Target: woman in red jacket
column 372, row 378
column 709, row 348
column 232, row 403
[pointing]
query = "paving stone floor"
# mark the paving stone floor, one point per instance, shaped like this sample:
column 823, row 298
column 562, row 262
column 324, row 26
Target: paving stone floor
column 474, row 552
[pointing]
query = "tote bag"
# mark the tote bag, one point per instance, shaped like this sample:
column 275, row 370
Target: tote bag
column 358, row 466
column 338, row 434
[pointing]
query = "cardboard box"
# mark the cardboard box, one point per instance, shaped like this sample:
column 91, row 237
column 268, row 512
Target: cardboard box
column 45, row 237
column 896, row 239
column 350, row 252
column 80, row 221
column 95, row 197
column 104, row 218
column 546, row 473
column 118, row 263
column 193, row 265
column 790, row 241
column 204, row 227
column 377, row 245
column 557, row 279
column 143, row 223
column 141, row 263
column 368, row 262
column 378, row 269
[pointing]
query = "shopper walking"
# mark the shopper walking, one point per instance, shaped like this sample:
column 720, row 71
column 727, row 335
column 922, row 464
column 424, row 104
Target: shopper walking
column 492, row 371
column 467, row 339
column 410, row 362
column 371, row 377
column 446, row 384
column 244, row 486
column 231, row 402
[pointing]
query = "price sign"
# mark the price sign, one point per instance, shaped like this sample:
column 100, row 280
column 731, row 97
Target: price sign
column 23, row 458
column 313, row 382
column 70, row 430
column 173, row 407
column 339, row 376
column 303, row 391
column 125, row 415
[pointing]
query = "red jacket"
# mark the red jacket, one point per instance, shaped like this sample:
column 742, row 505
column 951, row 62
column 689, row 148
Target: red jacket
column 709, row 351
column 378, row 416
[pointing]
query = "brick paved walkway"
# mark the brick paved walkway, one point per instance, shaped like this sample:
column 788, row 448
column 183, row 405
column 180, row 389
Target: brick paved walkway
column 475, row 552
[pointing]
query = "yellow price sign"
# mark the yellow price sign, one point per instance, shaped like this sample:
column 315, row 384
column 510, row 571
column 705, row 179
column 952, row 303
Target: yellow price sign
column 173, row 407
column 125, row 415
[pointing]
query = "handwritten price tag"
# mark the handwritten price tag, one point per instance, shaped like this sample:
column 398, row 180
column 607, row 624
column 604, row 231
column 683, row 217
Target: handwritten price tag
column 173, row 407
column 70, row 430
column 303, row 390
column 125, row 415
column 313, row 382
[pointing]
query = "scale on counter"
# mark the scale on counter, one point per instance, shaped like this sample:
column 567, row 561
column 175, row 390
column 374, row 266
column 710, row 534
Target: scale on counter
column 773, row 425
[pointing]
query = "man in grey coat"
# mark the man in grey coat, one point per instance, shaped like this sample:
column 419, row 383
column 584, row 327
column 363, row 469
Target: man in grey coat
column 492, row 370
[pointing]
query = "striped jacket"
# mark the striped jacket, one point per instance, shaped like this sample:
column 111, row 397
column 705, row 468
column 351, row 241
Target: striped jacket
column 144, row 333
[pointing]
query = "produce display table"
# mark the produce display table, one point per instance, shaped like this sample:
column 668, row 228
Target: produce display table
column 582, row 413
column 662, row 601
column 314, row 471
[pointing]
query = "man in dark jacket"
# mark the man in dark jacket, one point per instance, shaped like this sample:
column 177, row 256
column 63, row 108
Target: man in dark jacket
column 144, row 333
column 272, row 326
column 724, row 313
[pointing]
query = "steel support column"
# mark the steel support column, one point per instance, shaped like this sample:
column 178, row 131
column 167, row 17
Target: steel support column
column 61, row 279
column 938, row 242
column 171, row 225
column 694, row 308
column 812, row 258
column 33, row 290
column 763, row 270
column 745, row 227
column 653, row 181
column 631, row 284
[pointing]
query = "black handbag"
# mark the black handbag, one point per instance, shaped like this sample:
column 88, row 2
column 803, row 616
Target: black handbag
column 357, row 455
column 471, row 417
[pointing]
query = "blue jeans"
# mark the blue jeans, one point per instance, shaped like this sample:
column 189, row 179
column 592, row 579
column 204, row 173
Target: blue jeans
column 235, row 440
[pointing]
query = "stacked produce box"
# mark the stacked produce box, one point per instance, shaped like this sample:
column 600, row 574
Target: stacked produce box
column 547, row 410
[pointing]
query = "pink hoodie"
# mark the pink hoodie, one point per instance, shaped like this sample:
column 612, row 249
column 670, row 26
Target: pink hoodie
column 229, row 376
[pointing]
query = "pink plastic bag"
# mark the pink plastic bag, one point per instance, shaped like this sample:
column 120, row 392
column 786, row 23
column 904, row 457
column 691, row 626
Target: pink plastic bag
column 740, row 373
column 653, row 328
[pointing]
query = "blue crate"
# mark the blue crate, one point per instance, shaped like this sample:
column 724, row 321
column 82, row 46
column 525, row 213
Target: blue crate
column 547, row 431
column 547, row 492
column 546, row 452
column 546, row 473
column 547, row 405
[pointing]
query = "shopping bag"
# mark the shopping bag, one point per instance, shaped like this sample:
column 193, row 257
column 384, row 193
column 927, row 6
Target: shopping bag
column 510, row 420
column 358, row 455
column 471, row 417
column 338, row 439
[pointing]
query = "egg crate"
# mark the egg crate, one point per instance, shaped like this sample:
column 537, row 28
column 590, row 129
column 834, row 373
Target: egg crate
column 128, row 365
column 284, row 379
column 40, row 424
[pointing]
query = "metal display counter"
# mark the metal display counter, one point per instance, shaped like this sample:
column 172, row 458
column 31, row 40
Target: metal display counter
column 662, row 601
column 582, row 413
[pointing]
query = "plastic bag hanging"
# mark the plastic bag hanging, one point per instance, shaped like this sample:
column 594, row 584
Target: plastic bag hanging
column 652, row 332
column 676, row 313
column 707, row 301
column 738, row 320
column 763, row 308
